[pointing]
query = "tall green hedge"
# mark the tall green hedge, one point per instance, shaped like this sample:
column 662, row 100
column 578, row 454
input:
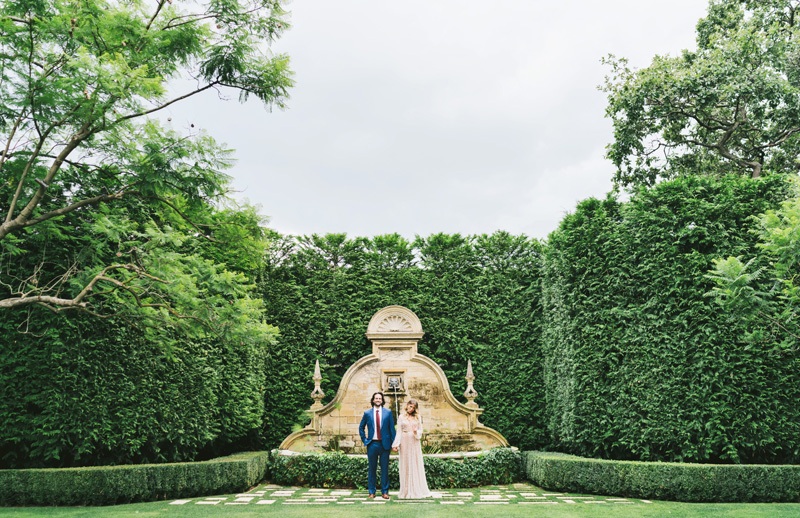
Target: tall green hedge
column 601, row 343
column 639, row 363
column 82, row 391
column 477, row 298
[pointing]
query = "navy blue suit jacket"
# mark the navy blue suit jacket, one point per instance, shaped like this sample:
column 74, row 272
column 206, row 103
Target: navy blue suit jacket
column 387, row 427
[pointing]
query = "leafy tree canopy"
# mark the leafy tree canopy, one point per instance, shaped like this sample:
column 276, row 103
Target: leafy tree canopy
column 762, row 294
column 731, row 106
column 101, row 207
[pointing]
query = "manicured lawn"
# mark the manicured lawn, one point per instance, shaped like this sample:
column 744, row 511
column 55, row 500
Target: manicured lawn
column 657, row 509
column 518, row 500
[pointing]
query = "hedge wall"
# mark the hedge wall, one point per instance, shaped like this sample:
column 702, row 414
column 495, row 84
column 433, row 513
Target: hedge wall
column 108, row 485
column 82, row 391
column 496, row 466
column 477, row 298
column 601, row 343
column 639, row 363
column 664, row 480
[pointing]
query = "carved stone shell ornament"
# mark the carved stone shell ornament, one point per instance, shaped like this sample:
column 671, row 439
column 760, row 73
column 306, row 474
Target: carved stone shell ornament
column 394, row 324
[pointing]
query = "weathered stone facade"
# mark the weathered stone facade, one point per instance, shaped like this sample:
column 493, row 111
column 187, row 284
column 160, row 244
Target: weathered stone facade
column 400, row 372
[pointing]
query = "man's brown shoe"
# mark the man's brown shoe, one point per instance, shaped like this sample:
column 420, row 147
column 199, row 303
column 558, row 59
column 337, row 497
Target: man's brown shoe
column 371, row 495
column 385, row 496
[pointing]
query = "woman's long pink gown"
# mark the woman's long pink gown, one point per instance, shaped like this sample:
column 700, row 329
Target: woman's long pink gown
column 413, row 483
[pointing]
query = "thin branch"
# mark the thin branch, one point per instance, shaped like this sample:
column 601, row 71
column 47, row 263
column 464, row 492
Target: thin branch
column 780, row 325
column 77, row 205
column 26, row 21
column 11, row 134
column 155, row 14
column 786, row 135
column 51, row 172
column 34, row 155
column 184, row 217
column 722, row 124
column 20, row 184
column 157, row 108
column 78, row 301
column 191, row 19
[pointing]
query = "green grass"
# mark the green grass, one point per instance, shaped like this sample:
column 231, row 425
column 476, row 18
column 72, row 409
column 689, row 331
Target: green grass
column 398, row 509
column 657, row 509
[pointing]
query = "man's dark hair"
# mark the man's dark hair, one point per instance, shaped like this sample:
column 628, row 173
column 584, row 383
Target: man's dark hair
column 372, row 399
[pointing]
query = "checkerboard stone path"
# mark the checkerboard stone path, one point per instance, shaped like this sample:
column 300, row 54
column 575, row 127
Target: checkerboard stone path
column 514, row 494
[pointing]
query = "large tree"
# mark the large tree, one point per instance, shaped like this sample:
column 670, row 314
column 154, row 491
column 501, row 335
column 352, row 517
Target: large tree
column 761, row 294
column 731, row 105
column 101, row 206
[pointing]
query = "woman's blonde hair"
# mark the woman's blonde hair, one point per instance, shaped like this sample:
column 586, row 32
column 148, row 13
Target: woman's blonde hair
column 416, row 406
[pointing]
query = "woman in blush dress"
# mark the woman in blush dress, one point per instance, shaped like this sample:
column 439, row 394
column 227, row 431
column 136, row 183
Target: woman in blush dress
column 413, row 483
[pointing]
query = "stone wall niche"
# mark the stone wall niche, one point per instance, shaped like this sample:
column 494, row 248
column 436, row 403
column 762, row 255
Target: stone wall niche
column 395, row 368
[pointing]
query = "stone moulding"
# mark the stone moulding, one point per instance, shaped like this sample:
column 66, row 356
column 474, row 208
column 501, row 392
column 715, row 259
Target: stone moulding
column 395, row 368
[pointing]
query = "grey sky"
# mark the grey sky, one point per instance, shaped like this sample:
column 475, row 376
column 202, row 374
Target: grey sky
column 452, row 116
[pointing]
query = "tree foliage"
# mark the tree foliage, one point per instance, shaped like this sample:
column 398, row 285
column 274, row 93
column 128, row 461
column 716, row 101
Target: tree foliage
column 102, row 207
column 106, row 211
column 762, row 295
column 730, row 106
column 77, row 390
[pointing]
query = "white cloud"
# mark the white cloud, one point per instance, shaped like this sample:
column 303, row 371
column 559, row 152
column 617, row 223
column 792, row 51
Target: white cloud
column 440, row 115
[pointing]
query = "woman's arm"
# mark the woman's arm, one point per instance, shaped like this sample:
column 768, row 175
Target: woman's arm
column 398, row 433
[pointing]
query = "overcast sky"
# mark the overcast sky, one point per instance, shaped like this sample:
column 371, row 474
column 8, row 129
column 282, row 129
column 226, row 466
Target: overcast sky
column 454, row 116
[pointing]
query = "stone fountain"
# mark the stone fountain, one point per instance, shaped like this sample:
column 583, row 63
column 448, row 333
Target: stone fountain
column 395, row 368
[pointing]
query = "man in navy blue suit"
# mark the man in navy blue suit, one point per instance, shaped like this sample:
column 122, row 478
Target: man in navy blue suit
column 377, row 434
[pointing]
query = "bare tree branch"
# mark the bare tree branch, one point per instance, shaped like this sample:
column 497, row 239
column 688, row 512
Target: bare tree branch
column 69, row 208
column 31, row 161
column 11, row 223
column 155, row 14
column 172, row 101
column 78, row 302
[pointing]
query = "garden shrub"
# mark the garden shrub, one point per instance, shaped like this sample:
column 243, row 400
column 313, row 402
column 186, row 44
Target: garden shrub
column 109, row 485
column 664, row 480
column 335, row 469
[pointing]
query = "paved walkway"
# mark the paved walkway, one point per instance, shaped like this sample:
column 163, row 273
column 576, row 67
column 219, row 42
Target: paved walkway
column 514, row 494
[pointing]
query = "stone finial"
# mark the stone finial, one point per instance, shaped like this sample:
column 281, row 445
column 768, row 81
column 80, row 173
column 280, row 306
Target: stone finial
column 317, row 393
column 470, row 393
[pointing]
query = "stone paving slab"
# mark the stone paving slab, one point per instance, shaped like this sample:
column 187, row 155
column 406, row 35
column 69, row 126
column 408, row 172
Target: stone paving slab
column 514, row 494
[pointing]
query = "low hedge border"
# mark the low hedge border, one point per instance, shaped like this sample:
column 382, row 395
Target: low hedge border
column 336, row 469
column 664, row 480
column 107, row 485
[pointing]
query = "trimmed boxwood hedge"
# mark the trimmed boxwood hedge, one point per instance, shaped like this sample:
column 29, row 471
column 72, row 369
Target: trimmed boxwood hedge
column 335, row 469
column 664, row 480
column 108, row 485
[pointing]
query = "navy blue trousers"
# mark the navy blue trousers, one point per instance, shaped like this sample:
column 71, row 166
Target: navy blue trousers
column 375, row 450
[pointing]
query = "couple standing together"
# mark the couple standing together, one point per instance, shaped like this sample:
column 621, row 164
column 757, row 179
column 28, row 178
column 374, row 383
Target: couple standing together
column 379, row 436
